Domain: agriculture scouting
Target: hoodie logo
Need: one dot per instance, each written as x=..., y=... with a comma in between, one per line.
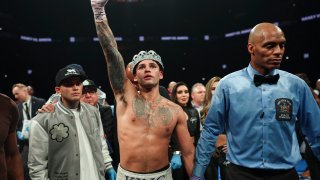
x=59, y=132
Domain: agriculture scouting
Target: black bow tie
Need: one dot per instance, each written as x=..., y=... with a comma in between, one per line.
x=258, y=80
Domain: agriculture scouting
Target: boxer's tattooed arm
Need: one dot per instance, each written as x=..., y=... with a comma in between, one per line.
x=115, y=63
x=105, y=35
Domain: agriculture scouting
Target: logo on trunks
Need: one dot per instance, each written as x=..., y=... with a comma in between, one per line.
x=156, y=178
x=283, y=109
x=59, y=132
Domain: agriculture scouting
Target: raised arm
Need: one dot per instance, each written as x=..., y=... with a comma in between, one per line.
x=115, y=64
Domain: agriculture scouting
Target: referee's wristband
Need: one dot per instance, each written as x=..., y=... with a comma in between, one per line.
x=177, y=152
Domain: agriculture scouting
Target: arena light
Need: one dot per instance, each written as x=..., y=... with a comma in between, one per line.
x=118, y=38
x=96, y=39
x=237, y=33
x=34, y=39
x=44, y=39
x=241, y=32
x=72, y=39
x=141, y=38
x=310, y=17
x=174, y=38
x=26, y=38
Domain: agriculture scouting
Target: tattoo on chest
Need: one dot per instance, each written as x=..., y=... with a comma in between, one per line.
x=153, y=113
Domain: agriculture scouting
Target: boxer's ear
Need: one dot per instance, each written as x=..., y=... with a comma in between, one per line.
x=161, y=75
x=57, y=89
x=135, y=79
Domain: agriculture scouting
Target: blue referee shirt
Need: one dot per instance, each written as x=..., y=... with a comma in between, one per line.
x=259, y=121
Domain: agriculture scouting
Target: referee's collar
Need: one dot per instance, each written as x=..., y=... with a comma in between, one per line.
x=251, y=71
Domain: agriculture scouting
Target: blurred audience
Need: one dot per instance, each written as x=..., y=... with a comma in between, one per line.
x=27, y=106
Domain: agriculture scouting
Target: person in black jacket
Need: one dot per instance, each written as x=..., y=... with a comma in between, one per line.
x=90, y=96
x=181, y=96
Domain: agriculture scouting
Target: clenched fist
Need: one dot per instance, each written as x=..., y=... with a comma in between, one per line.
x=98, y=9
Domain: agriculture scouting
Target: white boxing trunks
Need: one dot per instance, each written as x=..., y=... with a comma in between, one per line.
x=123, y=174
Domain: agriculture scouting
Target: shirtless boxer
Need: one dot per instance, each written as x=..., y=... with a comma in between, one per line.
x=146, y=120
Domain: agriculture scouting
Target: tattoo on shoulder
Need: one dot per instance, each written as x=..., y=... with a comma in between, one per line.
x=165, y=115
x=139, y=107
x=154, y=114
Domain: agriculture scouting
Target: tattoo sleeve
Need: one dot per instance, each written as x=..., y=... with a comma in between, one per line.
x=114, y=60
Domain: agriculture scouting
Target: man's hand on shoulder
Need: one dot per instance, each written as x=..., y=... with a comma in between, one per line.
x=48, y=108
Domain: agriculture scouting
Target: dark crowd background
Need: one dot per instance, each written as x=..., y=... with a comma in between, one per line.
x=196, y=39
